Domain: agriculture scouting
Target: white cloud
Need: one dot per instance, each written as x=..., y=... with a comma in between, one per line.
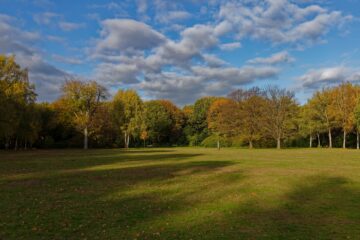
x=182, y=70
x=202, y=81
x=125, y=34
x=132, y=52
x=280, y=21
x=213, y=61
x=324, y=76
x=276, y=58
x=230, y=46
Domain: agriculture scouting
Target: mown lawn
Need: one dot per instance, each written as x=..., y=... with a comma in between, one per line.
x=180, y=193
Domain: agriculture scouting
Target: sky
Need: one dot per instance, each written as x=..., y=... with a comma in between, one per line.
x=184, y=49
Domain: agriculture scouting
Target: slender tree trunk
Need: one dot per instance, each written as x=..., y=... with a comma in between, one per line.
x=125, y=140
x=16, y=144
x=144, y=143
x=278, y=143
x=250, y=144
x=85, y=138
x=128, y=141
x=310, y=141
x=318, y=138
x=357, y=140
x=330, y=138
x=25, y=145
x=344, y=140
x=218, y=144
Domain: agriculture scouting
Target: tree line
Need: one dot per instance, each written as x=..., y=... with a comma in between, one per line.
x=86, y=115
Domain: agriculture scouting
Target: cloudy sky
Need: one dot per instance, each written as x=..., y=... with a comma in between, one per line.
x=184, y=49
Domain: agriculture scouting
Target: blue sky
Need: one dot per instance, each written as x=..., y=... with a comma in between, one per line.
x=182, y=50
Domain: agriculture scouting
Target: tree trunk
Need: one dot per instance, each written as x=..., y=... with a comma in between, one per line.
x=218, y=144
x=85, y=138
x=344, y=140
x=250, y=144
x=278, y=143
x=16, y=144
x=357, y=140
x=310, y=141
x=25, y=145
x=126, y=140
x=144, y=143
x=330, y=138
x=318, y=138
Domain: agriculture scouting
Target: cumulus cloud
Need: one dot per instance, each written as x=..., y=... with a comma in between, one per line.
x=276, y=58
x=280, y=21
x=181, y=70
x=185, y=68
x=333, y=75
x=117, y=74
x=202, y=81
x=213, y=61
x=119, y=35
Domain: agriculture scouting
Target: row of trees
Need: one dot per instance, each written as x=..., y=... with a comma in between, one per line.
x=86, y=115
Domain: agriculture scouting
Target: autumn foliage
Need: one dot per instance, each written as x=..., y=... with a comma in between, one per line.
x=86, y=115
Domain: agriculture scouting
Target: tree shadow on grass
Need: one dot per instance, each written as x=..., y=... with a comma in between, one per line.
x=95, y=203
x=319, y=208
x=51, y=163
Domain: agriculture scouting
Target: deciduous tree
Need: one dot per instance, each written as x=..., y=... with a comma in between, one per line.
x=127, y=113
x=82, y=99
x=281, y=110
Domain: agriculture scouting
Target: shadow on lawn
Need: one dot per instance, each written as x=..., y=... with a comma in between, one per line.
x=83, y=204
x=320, y=208
x=126, y=203
x=49, y=162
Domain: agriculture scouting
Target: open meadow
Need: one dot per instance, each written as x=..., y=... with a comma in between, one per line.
x=180, y=193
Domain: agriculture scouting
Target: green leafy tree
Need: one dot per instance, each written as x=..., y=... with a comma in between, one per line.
x=198, y=119
x=309, y=124
x=128, y=114
x=82, y=100
x=344, y=104
x=17, y=95
x=157, y=120
x=322, y=112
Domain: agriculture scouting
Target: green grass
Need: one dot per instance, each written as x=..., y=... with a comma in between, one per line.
x=180, y=193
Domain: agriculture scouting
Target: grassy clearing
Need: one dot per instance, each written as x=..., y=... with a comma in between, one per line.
x=180, y=193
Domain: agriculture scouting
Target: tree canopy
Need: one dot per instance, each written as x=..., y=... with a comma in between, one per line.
x=85, y=115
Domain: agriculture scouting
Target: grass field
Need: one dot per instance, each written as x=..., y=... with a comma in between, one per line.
x=180, y=193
